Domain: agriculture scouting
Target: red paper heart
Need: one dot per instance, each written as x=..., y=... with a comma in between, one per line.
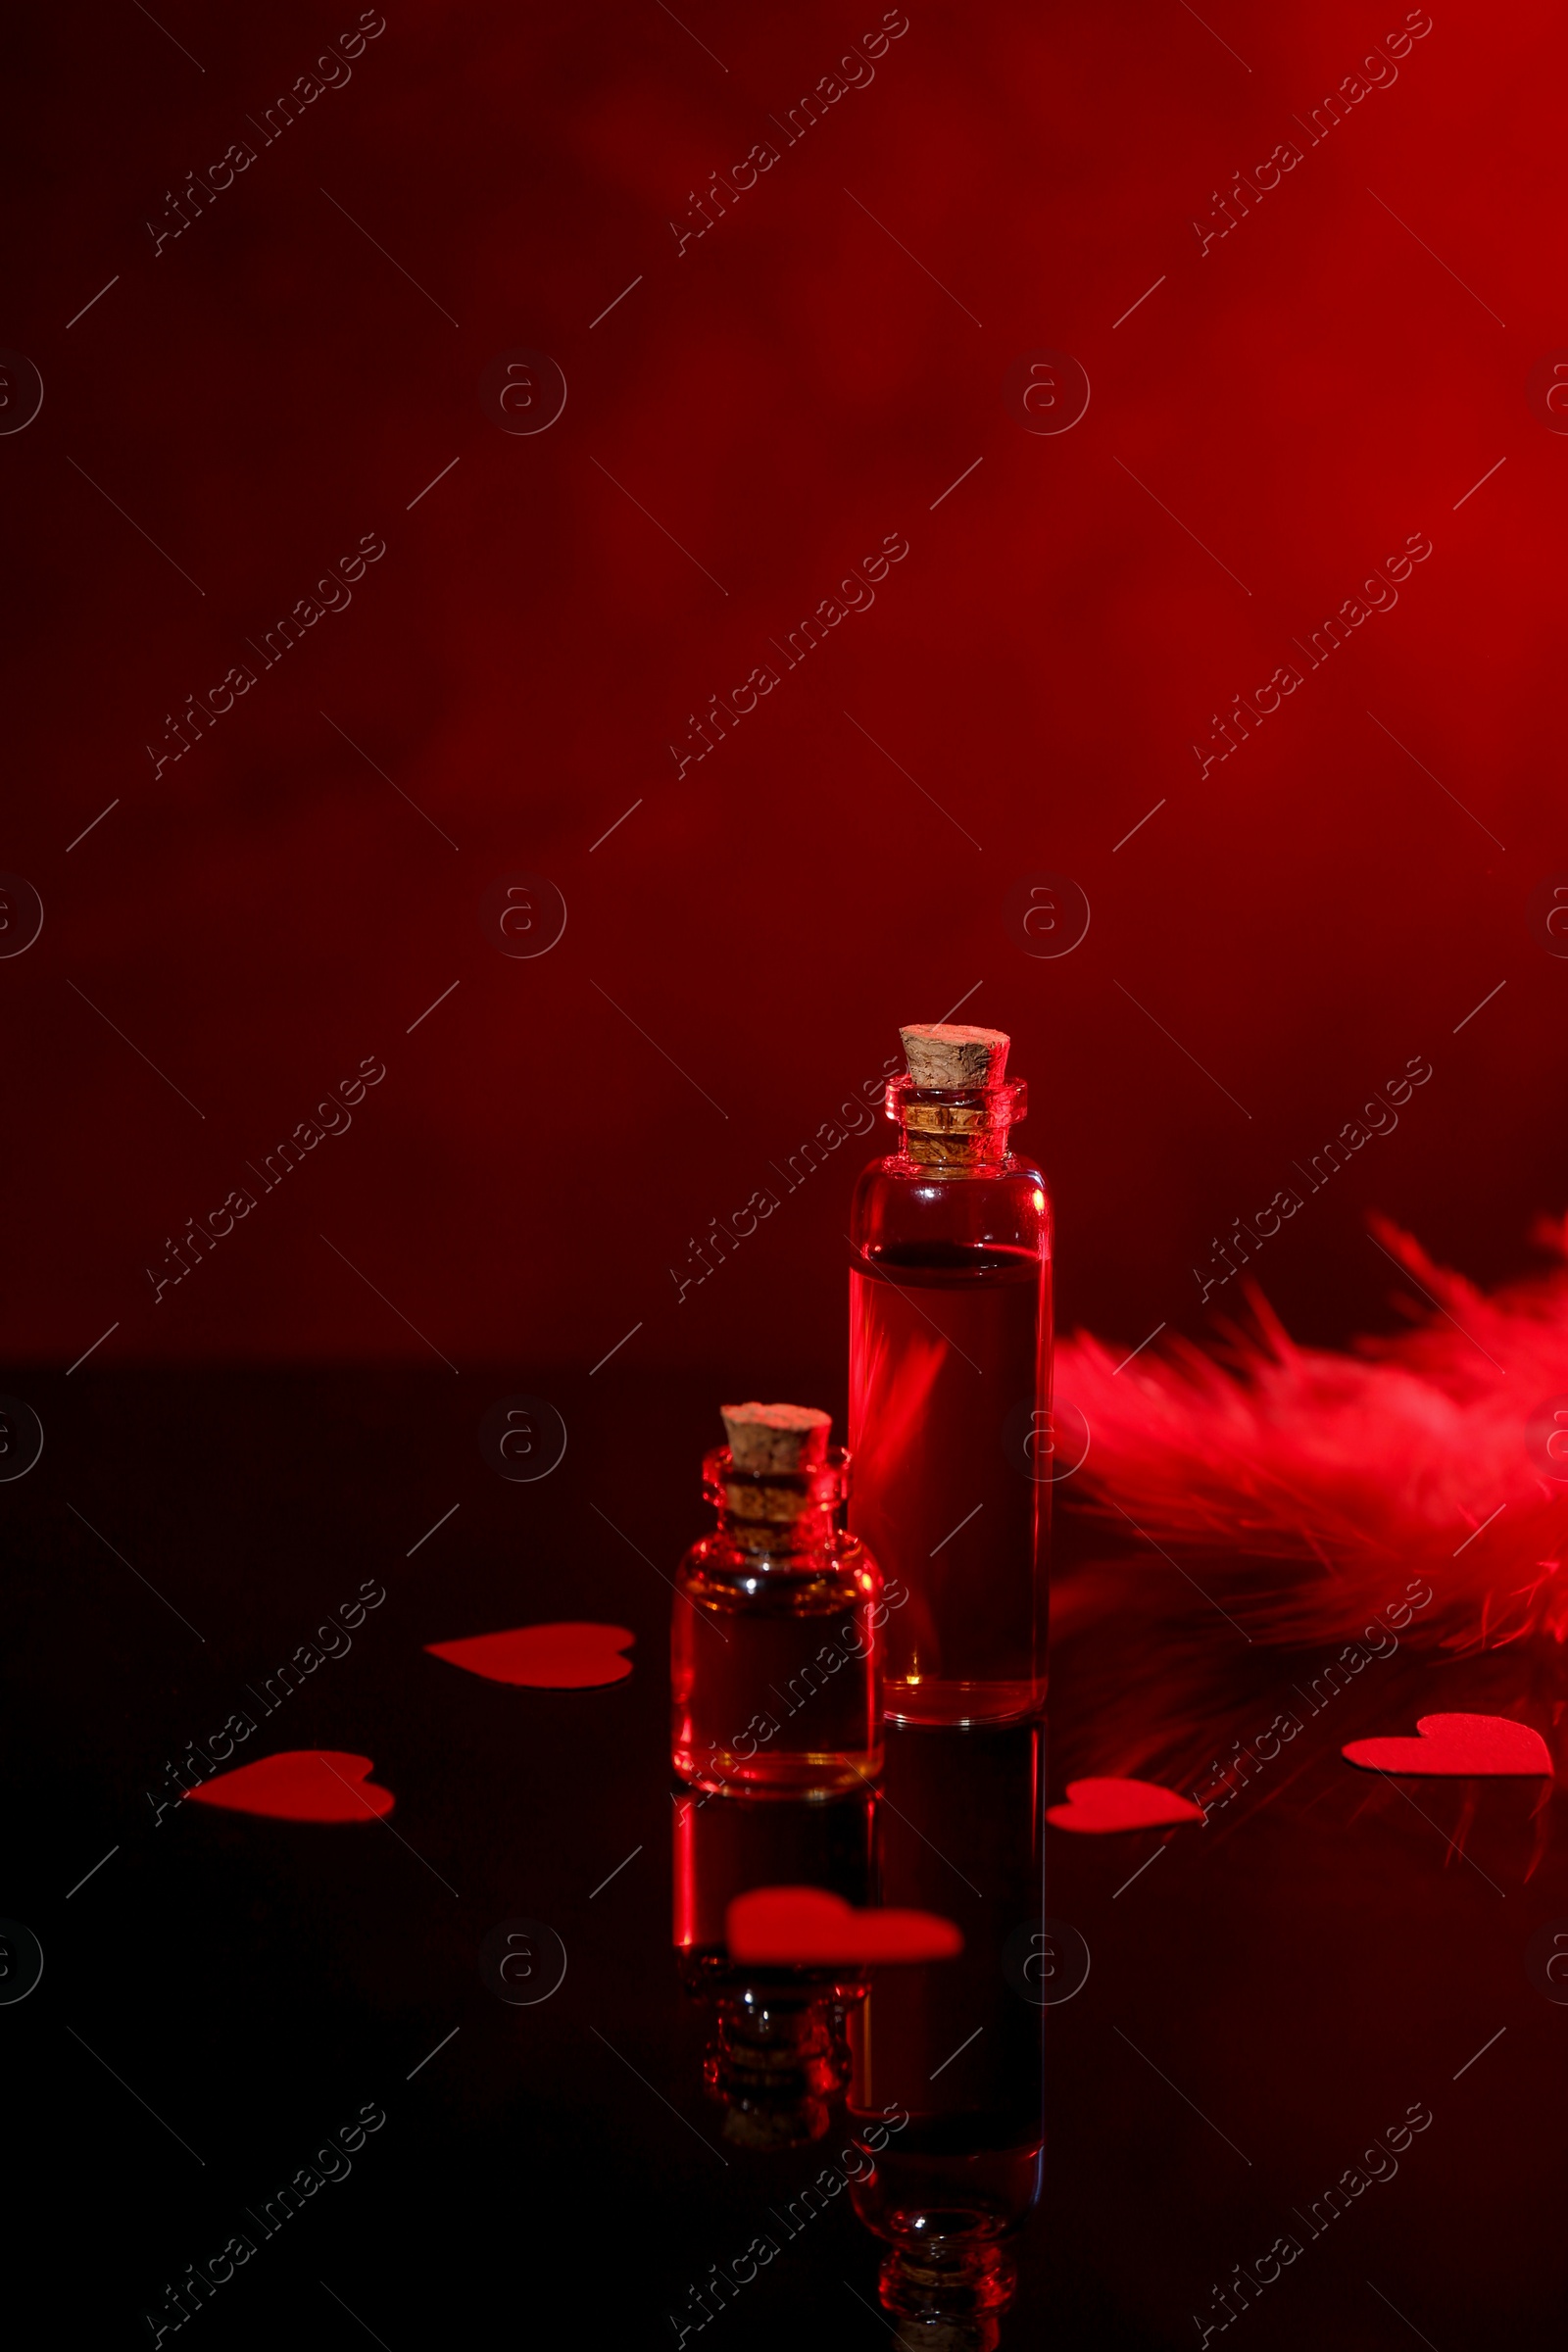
x=1106, y=1802
x=801, y=1925
x=568, y=1656
x=300, y=1783
x=1457, y=1743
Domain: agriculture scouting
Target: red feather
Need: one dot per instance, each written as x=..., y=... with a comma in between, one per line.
x=1411, y=1459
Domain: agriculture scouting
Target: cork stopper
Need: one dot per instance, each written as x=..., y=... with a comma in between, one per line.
x=776, y=1469
x=949, y=1060
x=775, y=1437
x=951, y=1057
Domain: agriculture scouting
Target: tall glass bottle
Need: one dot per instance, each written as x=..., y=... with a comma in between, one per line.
x=775, y=1650
x=950, y=1386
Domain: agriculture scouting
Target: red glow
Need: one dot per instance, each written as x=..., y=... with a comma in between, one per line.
x=1280, y=399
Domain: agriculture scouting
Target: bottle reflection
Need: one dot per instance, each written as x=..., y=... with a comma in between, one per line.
x=776, y=2059
x=950, y=2050
x=957, y=2044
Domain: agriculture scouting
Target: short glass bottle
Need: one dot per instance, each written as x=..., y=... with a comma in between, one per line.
x=776, y=1644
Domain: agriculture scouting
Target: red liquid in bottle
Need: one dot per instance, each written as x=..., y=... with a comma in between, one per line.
x=949, y=1383
x=775, y=1653
x=773, y=1685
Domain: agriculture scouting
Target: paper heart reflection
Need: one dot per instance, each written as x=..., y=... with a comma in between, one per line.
x=300, y=1783
x=1457, y=1743
x=572, y=1655
x=803, y=1926
x=1107, y=1802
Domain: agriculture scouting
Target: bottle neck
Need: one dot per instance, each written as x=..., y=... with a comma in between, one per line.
x=955, y=1132
x=806, y=1537
x=778, y=1514
x=777, y=2060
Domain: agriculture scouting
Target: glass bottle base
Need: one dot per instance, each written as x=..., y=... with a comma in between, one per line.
x=922, y=1699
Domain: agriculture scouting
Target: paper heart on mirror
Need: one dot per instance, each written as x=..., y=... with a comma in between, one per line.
x=300, y=1783
x=1493, y=1745
x=799, y=1927
x=1107, y=1802
x=572, y=1654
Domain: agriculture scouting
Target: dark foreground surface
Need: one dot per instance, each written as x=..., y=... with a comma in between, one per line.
x=222, y=1996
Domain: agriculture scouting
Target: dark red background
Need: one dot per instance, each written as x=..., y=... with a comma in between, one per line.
x=793, y=387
